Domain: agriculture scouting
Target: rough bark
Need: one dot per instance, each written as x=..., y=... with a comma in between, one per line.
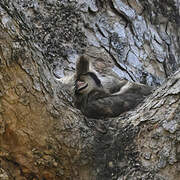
x=42, y=135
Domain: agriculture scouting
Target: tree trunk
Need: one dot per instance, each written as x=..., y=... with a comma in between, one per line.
x=42, y=135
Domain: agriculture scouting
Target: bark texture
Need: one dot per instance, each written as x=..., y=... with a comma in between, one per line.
x=42, y=135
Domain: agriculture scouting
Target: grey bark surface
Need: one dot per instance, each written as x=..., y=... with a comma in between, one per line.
x=42, y=135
